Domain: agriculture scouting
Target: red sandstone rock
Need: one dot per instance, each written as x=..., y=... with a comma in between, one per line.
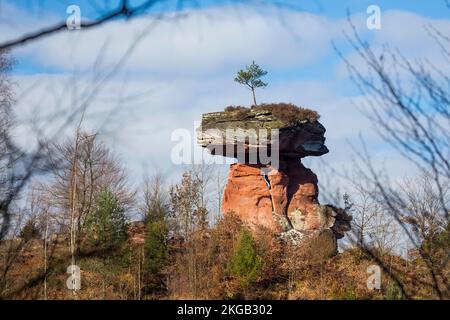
x=284, y=200
x=247, y=195
x=256, y=198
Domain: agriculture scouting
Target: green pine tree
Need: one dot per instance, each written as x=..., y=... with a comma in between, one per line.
x=245, y=263
x=251, y=78
x=156, y=253
x=30, y=231
x=155, y=246
x=107, y=226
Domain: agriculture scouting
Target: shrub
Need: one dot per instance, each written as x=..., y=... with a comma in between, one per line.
x=236, y=108
x=30, y=231
x=289, y=113
x=156, y=253
x=394, y=292
x=286, y=112
x=245, y=263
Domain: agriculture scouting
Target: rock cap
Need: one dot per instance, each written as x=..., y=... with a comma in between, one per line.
x=294, y=131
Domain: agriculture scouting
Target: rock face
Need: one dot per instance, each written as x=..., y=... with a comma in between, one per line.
x=282, y=198
x=254, y=128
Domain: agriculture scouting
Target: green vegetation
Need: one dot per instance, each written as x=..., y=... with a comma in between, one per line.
x=107, y=225
x=245, y=264
x=394, y=292
x=287, y=113
x=156, y=253
x=30, y=231
x=251, y=77
x=155, y=246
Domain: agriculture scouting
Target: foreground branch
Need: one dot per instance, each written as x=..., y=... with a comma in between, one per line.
x=124, y=10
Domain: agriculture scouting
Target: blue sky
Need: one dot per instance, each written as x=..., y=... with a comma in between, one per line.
x=183, y=68
x=332, y=8
x=436, y=9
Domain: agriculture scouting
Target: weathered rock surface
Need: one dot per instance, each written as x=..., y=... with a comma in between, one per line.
x=283, y=198
x=253, y=130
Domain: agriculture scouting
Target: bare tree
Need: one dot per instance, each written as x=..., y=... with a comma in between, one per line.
x=415, y=120
x=220, y=182
x=364, y=211
x=423, y=201
x=154, y=196
x=187, y=208
x=40, y=207
x=7, y=155
x=28, y=228
x=82, y=168
x=190, y=220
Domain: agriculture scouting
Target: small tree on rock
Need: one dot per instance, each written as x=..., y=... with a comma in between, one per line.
x=251, y=78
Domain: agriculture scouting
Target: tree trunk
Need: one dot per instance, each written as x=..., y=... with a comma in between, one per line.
x=254, y=96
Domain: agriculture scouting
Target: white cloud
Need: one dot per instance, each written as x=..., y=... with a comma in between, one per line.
x=185, y=68
x=140, y=132
x=202, y=42
x=401, y=32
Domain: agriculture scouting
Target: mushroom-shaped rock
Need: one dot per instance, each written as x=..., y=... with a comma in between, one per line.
x=283, y=198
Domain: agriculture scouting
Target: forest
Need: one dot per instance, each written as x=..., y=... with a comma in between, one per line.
x=75, y=225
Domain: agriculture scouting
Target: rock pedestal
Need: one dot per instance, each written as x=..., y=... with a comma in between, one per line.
x=282, y=198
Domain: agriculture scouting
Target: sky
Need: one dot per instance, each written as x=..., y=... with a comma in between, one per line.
x=181, y=66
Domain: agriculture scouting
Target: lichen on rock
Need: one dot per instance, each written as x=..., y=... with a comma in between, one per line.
x=299, y=133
